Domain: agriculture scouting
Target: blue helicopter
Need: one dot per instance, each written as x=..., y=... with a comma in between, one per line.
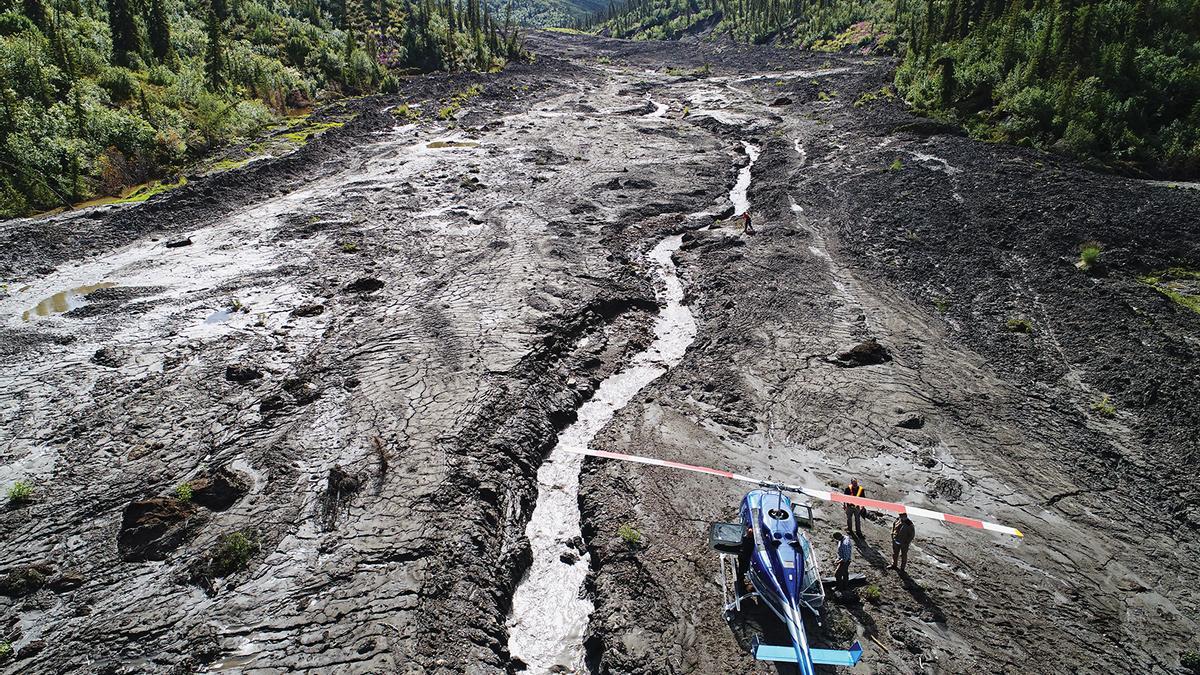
x=770, y=549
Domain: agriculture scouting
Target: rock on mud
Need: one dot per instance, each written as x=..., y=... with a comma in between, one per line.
x=306, y=311
x=179, y=243
x=109, y=357
x=152, y=528
x=911, y=421
x=219, y=490
x=866, y=353
x=241, y=374
x=25, y=580
x=365, y=285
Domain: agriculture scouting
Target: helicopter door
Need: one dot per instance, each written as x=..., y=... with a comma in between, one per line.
x=803, y=513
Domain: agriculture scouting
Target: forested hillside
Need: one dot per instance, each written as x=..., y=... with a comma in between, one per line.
x=1117, y=81
x=548, y=12
x=101, y=95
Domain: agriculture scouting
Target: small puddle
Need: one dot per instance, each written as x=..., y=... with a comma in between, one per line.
x=64, y=301
x=741, y=202
x=549, y=617
x=453, y=144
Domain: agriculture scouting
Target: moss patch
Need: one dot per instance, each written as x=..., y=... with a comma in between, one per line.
x=1179, y=284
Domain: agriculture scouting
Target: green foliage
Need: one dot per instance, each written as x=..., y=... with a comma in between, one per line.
x=942, y=305
x=1019, y=325
x=98, y=97
x=1089, y=255
x=1114, y=81
x=630, y=535
x=1191, y=661
x=6, y=650
x=1104, y=406
x=183, y=492
x=872, y=594
x=349, y=247
x=232, y=553
x=1179, y=284
x=896, y=165
x=20, y=492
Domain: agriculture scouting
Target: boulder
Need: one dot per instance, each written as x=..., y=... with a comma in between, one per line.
x=912, y=421
x=152, y=528
x=25, y=580
x=241, y=374
x=365, y=285
x=306, y=311
x=219, y=490
x=866, y=353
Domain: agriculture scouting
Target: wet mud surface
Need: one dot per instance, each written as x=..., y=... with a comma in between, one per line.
x=361, y=358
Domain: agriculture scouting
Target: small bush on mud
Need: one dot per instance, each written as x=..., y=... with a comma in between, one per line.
x=1191, y=661
x=183, y=492
x=1104, y=406
x=349, y=247
x=232, y=553
x=21, y=492
x=1020, y=325
x=6, y=651
x=942, y=305
x=896, y=165
x=631, y=536
x=1089, y=255
x=872, y=594
x=237, y=306
x=404, y=113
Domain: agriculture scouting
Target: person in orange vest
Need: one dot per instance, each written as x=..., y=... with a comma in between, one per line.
x=854, y=512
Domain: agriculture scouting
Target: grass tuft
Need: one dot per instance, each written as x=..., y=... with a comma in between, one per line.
x=1019, y=325
x=872, y=594
x=232, y=553
x=1089, y=255
x=20, y=492
x=1104, y=406
x=631, y=536
x=183, y=492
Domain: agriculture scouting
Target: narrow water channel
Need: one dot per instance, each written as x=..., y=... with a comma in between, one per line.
x=549, y=612
x=549, y=616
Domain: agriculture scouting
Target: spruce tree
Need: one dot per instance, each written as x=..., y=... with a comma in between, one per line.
x=159, y=28
x=214, y=57
x=125, y=41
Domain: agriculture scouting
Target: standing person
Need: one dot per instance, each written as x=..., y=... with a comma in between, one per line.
x=903, y=532
x=854, y=512
x=747, y=226
x=845, y=551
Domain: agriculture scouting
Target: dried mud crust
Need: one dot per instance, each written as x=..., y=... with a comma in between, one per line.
x=931, y=256
x=472, y=295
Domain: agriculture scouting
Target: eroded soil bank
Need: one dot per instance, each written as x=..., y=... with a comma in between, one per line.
x=364, y=350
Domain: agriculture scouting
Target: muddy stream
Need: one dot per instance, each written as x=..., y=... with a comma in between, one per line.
x=550, y=610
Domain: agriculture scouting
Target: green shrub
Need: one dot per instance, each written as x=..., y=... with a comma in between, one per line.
x=1191, y=661
x=349, y=247
x=942, y=305
x=1019, y=325
x=20, y=492
x=630, y=535
x=119, y=83
x=232, y=553
x=896, y=165
x=6, y=651
x=872, y=594
x=1104, y=406
x=1089, y=255
x=183, y=492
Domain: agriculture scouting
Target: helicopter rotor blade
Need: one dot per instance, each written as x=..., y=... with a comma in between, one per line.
x=824, y=495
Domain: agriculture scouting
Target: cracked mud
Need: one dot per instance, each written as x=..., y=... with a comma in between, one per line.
x=361, y=359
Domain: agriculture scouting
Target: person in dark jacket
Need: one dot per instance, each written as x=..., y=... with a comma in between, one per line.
x=903, y=532
x=854, y=512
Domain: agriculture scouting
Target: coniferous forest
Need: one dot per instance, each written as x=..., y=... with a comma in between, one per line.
x=98, y=95
x=1116, y=82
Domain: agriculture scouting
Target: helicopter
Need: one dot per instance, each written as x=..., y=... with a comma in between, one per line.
x=782, y=567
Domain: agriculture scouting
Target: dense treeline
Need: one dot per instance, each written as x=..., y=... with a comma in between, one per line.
x=97, y=95
x=1113, y=80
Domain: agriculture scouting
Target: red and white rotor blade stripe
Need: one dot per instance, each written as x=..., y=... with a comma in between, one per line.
x=910, y=510
x=671, y=465
x=894, y=507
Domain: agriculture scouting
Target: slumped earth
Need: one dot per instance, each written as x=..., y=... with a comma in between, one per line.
x=361, y=358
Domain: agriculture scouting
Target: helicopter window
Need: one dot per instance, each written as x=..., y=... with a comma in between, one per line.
x=778, y=514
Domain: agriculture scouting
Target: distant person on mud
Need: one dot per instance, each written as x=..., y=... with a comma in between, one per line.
x=903, y=532
x=845, y=551
x=854, y=512
x=747, y=226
